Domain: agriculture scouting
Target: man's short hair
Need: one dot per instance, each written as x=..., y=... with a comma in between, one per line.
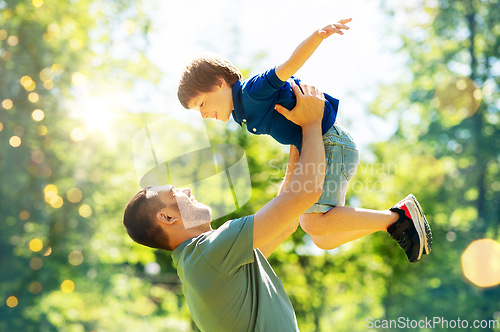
x=140, y=221
x=202, y=75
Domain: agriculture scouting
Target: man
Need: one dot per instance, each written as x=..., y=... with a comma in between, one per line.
x=227, y=280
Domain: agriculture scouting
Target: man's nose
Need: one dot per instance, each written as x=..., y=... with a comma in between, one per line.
x=187, y=191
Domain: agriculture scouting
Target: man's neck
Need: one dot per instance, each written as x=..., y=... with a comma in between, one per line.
x=189, y=234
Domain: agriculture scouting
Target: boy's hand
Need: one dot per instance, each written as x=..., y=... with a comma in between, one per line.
x=309, y=108
x=334, y=28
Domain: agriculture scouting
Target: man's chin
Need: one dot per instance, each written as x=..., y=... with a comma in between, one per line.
x=202, y=215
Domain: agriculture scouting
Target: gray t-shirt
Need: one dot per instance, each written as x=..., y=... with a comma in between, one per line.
x=230, y=287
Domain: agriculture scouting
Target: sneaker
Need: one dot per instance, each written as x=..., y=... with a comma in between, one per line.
x=409, y=229
x=428, y=232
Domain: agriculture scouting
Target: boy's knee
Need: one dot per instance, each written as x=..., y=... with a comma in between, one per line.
x=308, y=222
x=321, y=243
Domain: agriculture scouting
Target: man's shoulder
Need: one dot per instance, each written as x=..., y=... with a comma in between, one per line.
x=233, y=223
x=227, y=230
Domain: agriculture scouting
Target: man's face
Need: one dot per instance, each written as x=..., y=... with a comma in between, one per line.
x=217, y=104
x=180, y=203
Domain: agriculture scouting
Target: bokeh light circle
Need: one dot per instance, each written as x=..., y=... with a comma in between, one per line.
x=33, y=97
x=48, y=251
x=13, y=40
x=15, y=141
x=35, y=287
x=56, y=202
x=26, y=81
x=50, y=190
x=7, y=104
x=37, y=3
x=78, y=78
x=36, y=263
x=75, y=258
x=458, y=98
x=24, y=215
x=37, y=115
x=46, y=75
x=481, y=262
x=85, y=210
x=144, y=306
x=41, y=130
x=35, y=245
x=77, y=135
x=68, y=286
x=12, y=301
x=74, y=195
x=48, y=85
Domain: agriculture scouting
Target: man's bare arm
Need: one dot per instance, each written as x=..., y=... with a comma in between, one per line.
x=268, y=248
x=305, y=187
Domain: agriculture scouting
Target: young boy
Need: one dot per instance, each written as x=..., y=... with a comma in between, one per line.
x=212, y=86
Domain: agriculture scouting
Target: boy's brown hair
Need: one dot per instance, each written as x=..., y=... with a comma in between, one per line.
x=203, y=74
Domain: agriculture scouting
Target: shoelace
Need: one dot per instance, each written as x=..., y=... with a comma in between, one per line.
x=428, y=233
x=403, y=240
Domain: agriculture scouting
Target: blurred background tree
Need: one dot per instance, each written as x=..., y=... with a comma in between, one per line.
x=446, y=150
x=66, y=263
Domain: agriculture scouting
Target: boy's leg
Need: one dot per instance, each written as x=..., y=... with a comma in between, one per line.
x=405, y=222
x=334, y=240
x=344, y=224
x=346, y=219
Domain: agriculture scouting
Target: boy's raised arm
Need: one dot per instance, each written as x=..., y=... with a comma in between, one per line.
x=305, y=49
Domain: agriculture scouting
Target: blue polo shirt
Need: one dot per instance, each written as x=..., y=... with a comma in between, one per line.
x=254, y=101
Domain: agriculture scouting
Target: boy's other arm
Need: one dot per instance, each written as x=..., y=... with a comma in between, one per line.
x=268, y=248
x=305, y=187
x=305, y=49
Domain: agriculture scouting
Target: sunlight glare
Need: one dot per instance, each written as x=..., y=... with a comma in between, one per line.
x=98, y=114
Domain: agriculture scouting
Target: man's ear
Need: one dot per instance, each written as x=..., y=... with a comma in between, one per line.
x=164, y=217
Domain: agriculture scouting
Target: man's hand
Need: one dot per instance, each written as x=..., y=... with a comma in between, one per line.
x=334, y=28
x=309, y=108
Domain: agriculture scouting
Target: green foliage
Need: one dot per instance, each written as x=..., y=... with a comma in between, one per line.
x=84, y=276
x=445, y=152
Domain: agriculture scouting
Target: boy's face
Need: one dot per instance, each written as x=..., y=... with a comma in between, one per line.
x=217, y=104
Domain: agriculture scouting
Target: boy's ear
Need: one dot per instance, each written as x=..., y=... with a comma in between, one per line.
x=221, y=83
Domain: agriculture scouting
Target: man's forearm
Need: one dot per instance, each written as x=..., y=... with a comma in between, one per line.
x=311, y=164
x=293, y=158
x=268, y=248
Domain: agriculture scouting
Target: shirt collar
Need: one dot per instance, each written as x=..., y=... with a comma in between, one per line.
x=238, y=109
